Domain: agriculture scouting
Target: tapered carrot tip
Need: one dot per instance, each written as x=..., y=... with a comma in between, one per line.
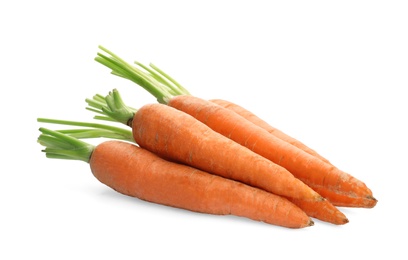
x=341, y=220
x=373, y=201
x=372, y=198
x=311, y=223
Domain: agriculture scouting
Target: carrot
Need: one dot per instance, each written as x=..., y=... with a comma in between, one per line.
x=311, y=170
x=272, y=130
x=136, y=172
x=322, y=210
x=175, y=135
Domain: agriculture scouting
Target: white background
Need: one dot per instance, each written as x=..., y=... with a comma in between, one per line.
x=333, y=74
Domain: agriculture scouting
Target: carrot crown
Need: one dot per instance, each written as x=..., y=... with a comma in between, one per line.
x=112, y=108
x=151, y=78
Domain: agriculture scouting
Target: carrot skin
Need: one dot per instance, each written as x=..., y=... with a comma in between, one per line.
x=136, y=172
x=311, y=170
x=175, y=135
x=272, y=130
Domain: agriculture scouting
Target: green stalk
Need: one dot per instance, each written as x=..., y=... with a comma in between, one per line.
x=94, y=130
x=113, y=108
x=156, y=83
x=95, y=105
x=157, y=76
x=62, y=146
x=172, y=86
x=96, y=133
x=177, y=87
x=130, y=72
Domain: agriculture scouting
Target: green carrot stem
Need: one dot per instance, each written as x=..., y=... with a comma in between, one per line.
x=63, y=146
x=97, y=101
x=140, y=77
x=112, y=108
x=94, y=131
x=52, y=142
x=176, y=86
x=155, y=75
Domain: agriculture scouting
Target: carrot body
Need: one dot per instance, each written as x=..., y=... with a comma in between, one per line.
x=261, y=123
x=137, y=172
x=178, y=136
x=311, y=170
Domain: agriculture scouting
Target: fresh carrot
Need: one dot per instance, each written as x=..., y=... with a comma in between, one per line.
x=342, y=188
x=136, y=172
x=322, y=210
x=178, y=136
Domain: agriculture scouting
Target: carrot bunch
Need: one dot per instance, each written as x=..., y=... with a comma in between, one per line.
x=209, y=156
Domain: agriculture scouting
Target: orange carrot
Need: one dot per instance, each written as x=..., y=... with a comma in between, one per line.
x=322, y=210
x=175, y=135
x=261, y=123
x=311, y=170
x=136, y=172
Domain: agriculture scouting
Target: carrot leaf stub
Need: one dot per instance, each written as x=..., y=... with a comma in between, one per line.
x=62, y=146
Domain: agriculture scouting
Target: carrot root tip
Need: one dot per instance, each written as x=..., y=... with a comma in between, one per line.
x=371, y=198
